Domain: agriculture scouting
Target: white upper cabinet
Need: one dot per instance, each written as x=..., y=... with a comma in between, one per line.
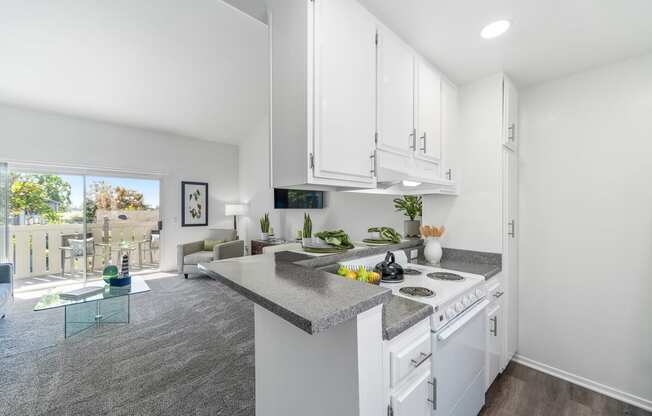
x=428, y=112
x=395, y=94
x=351, y=104
x=450, y=130
x=510, y=114
x=345, y=96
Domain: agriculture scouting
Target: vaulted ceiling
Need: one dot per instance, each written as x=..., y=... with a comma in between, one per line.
x=196, y=68
x=200, y=68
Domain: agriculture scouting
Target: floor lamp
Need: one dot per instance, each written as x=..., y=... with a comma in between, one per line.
x=235, y=210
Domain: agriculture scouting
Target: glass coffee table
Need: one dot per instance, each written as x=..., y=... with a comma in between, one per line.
x=110, y=306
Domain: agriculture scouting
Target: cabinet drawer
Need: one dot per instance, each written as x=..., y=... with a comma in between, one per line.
x=405, y=360
x=494, y=290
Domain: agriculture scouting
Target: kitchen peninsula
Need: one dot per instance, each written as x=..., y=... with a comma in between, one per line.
x=318, y=336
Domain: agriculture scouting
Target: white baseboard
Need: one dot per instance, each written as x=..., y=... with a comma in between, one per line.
x=585, y=382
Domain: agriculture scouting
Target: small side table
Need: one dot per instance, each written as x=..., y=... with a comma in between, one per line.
x=258, y=245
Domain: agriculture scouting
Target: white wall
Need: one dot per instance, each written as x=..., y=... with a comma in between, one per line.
x=473, y=219
x=32, y=136
x=353, y=213
x=586, y=226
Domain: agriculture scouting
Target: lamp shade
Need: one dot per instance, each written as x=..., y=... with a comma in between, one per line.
x=236, y=209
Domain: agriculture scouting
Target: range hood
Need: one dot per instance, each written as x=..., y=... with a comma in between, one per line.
x=398, y=175
x=410, y=187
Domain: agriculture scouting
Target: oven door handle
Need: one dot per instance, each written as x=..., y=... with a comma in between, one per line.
x=462, y=320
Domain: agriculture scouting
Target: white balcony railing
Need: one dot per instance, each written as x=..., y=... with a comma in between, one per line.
x=35, y=248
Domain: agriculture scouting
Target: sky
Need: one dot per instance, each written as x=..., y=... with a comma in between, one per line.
x=149, y=188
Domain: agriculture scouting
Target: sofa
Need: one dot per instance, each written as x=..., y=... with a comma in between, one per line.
x=6, y=287
x=189, y=255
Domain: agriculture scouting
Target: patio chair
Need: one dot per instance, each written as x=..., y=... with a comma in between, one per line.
x=6, y=286
x=72, y=248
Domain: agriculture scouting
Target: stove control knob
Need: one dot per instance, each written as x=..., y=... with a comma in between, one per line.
x=473, y=298
x=466, y=301
x=450, y=313
x=478, y=292
x=459, y=307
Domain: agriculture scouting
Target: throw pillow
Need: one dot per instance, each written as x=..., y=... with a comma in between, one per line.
x=209, y=245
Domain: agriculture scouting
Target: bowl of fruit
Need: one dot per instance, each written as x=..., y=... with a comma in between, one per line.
x=361, y=274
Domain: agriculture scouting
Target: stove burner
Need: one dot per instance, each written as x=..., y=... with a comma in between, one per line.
x=445, y=276
x=411, y=271
x=421, y=292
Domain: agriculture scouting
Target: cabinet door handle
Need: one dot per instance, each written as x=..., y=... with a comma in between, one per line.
x=511, y=132
x=373, y=163
x=498, y=294
x=512, y=229
x=424, y=358
x=413, y=138
x=449, y=174
x=433, y=383
x=494, y=331
x=424, y=142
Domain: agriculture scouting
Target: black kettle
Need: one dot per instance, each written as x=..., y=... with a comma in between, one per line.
x=389, y=270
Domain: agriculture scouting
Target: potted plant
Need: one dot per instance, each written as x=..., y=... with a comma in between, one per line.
x=306, y=233
x=411, y=206
x=264, y=227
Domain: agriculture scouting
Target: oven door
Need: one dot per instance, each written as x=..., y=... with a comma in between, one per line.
x=458, y=364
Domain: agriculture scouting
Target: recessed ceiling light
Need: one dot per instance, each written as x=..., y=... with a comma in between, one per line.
x=495, y=29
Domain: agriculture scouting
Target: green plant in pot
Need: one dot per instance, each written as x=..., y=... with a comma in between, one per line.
x=411, y=206
x=264, y=227
x=307, y=226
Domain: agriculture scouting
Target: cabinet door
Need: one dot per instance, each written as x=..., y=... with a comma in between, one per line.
x=449, y=130
x=494, y=342
x=414, y=399
x=510, y=257
x=395, y=94
x=428, y=104
x=510, y=114
x=344, y=90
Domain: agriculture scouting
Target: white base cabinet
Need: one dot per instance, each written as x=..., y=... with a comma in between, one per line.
x=495, y=327
x=412, y=398
x=407, y=378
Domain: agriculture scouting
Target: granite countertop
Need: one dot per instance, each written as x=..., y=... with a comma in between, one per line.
x=482, y=269
x=400, y=314
x=288, y=285
x=467, y=261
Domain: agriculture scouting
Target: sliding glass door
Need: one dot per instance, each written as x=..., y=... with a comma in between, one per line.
x=63, y=228
x=123, y=216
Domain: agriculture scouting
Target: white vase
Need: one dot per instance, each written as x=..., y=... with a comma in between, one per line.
x=432, y=251
x=264, y=236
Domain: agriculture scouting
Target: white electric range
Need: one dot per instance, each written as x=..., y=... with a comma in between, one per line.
x=458, y=328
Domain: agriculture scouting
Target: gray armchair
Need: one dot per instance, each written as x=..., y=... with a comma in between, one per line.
x=6, y=286
x=189, y=255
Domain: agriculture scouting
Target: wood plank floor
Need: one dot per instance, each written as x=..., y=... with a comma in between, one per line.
x=522, y=391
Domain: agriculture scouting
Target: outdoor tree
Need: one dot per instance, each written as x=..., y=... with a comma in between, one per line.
x=129, y=199
x=103, y=196
x=46, y=196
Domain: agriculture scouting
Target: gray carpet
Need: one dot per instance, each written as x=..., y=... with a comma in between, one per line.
x=188, y=350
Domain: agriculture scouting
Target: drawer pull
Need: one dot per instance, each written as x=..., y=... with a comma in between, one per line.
x=424, y=358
